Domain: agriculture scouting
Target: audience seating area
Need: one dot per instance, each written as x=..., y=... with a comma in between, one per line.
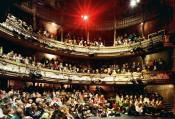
x=111, y=69
x=69, y=95
x=77, y=104
x=61, y=70
x=69, y=59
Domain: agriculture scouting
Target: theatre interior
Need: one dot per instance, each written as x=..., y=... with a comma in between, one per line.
x=87, y=59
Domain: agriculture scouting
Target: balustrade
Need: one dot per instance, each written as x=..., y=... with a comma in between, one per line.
x=57, y=45
x=19, y=69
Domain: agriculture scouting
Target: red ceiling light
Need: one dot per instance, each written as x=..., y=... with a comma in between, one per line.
x=85, y=17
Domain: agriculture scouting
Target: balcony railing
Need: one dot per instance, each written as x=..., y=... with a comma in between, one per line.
x=22, y=34
x=12, y=68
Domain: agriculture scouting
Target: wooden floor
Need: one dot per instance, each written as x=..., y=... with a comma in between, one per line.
x=131, y=117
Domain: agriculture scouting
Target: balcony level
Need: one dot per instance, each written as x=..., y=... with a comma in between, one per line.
x=30, y=73
x=153, y=43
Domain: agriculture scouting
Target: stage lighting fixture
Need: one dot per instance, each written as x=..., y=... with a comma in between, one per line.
x=137, y=1
x=85, y=17
x=133, y=3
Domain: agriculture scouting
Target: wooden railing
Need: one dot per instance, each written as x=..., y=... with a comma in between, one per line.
x=19, y=69
x=57, y=45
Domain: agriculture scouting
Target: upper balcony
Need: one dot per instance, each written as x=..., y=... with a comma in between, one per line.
x=57, y=46
x=12, y=31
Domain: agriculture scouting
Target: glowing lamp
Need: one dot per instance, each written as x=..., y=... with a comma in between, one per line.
x=52, y=27
x=133, y=3
x=84, y=17
x=50, y=56
x=137, y=1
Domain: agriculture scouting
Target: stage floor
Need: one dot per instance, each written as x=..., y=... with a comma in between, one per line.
x=131, y=117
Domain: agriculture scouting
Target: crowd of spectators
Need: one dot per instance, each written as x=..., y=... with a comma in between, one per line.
x=127, y=39
x=19, y=27
x=147, y=104
x=23, y=30
x=75, y=104
x=18, y=23
x=55, y=64
x=115, y=68
x=73, y=40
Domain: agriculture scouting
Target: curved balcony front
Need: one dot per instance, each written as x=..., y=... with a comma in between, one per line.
x=65, y=48
x=14, y=69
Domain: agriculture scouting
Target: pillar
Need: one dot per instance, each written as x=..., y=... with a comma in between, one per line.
x=174, y=100
x=173, y=79
x=34, y=17
x=62, y=34
x=143, y=29
x=115, y=33
x=172, y=4
x=172, y=28
x=3, y=84
x=87, y=35
x=114, y=37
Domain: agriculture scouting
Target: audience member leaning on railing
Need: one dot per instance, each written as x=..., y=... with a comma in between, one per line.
x=54, y=64
x=23, y=30
x=127, y=39
x=18, y=27
x=18, y=23
x=73, y=40
x=73, y=104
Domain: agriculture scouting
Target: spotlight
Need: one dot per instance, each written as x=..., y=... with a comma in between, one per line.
x=84, y=17
x=133, y=3
x=137, y=1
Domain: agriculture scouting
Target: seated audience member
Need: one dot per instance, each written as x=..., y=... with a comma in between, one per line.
x=18, y=114
x=139, y=108
x=110, y=69
x=2, y=116
x=75, y=104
